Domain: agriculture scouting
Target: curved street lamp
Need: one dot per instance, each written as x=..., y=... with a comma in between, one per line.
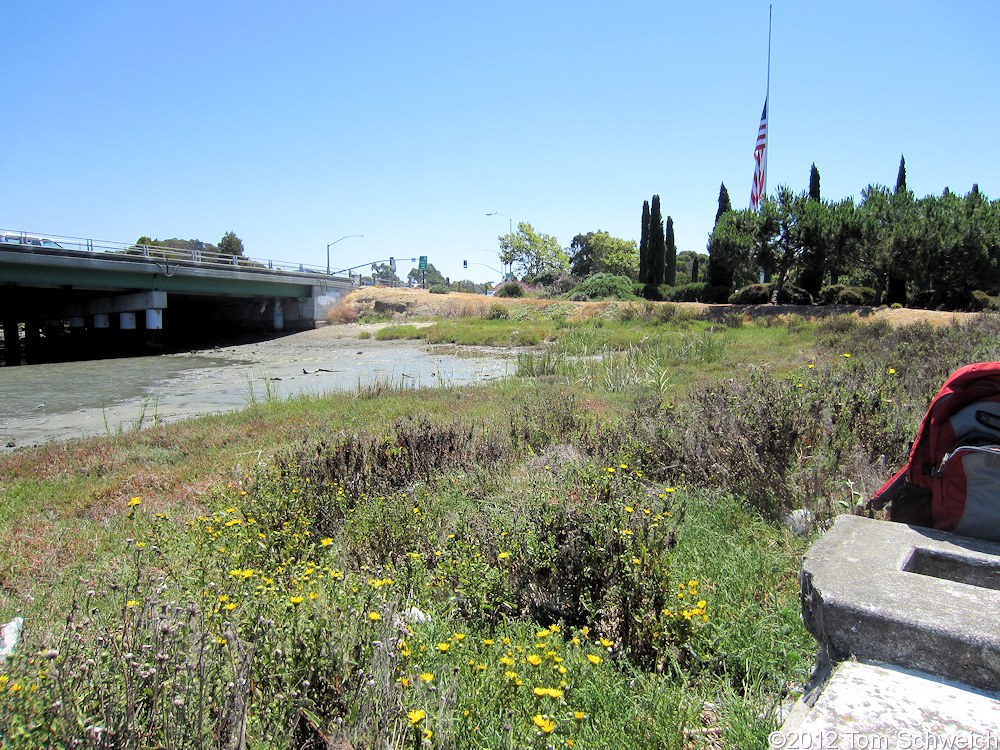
x=334, y=243
x=510, y=224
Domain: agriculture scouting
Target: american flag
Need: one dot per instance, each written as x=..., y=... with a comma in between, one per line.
x=760, y=162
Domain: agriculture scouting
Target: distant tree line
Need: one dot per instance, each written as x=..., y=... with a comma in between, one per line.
x=229, y=247
x=939, y=251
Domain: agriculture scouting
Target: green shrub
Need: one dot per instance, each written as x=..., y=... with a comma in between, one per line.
x=602, y=286
x=855, y=296
x=439, y=289
x=760, y=294
x=828, y=294
x=686, y=293
x=981, y=301
x=714, y=294
x=497, y=311
x=755, y=294
x=510, y=289
x=652, y=292
x=839, y=294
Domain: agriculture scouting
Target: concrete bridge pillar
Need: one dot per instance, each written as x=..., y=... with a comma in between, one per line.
x=32, y=342
x=12, y=343
x=278, y=319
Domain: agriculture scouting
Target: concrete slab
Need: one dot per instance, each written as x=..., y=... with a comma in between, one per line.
x=878, y=707
x=903, y=595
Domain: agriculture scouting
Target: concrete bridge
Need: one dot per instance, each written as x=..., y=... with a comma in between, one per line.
x=68, y=298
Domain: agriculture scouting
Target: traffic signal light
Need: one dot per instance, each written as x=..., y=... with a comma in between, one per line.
x=465, y=264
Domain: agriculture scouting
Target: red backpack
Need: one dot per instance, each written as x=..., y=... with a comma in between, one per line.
x=952, y=478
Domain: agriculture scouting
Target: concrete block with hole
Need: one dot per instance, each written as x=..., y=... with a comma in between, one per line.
x=908, y=624
x=917, y=598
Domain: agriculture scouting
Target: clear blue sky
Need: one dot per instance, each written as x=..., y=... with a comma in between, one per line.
x=296, y=123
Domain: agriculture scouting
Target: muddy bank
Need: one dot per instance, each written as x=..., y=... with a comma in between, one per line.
x=39, y=403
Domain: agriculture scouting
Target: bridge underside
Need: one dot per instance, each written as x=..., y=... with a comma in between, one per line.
x=56, y=309
x=46, y=325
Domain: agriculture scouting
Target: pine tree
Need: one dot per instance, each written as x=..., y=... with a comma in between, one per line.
x=901, y=176
x=814, y=183
x=724, y=203
x=644, y=245
x=670, y=267
x=657, y=244
x=231, y=245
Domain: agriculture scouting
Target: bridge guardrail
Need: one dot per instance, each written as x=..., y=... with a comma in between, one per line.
x=59, y=243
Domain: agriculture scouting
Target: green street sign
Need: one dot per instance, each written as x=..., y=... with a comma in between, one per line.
x=423, y=263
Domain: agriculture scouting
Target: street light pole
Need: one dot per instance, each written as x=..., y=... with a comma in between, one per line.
x=510, y=224
x=334, y=243
x=510, y=230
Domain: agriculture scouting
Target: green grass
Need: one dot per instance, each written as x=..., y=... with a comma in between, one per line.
x=627, y=487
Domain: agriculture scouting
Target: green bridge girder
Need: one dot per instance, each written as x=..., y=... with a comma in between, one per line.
x=105, y=272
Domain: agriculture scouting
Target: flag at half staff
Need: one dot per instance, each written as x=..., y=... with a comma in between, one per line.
x=760, y=163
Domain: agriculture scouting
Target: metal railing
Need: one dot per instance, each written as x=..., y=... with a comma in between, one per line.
x=60, y=244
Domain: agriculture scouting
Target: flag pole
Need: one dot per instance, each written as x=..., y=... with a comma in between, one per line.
x=767, y=91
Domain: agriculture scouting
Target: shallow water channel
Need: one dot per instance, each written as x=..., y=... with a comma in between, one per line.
x=58, y=401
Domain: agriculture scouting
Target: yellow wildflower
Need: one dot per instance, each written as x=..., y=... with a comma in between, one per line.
x=544, y=723
x=553, y=693
x=416, y=716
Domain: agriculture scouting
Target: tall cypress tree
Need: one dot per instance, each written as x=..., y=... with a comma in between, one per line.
x=724, y=203
x=814, y=183
x=657, y=244
x=670, y=268
x=895, y=292
x=813, y=251
x=644, y=245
